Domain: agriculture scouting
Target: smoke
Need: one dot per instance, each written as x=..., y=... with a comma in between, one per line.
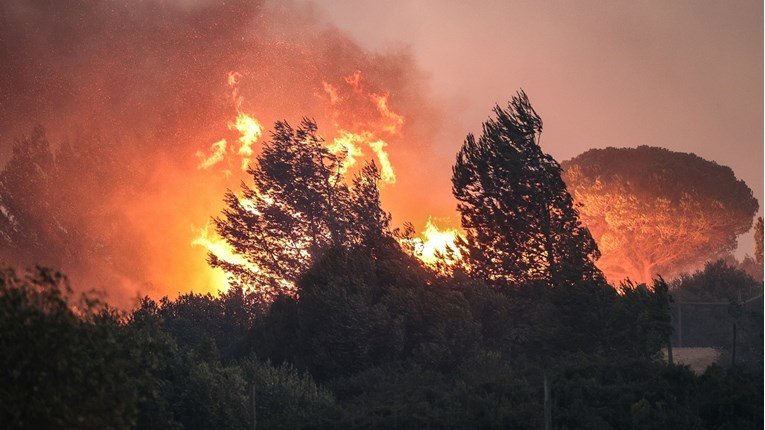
x=130, y=93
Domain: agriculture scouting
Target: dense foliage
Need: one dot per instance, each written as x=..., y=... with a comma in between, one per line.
x=371, y=343
x=298, y=204
x=655, y=211
x=366, y=336
x=519, y=218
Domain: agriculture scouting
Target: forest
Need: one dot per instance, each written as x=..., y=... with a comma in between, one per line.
x=331, y=320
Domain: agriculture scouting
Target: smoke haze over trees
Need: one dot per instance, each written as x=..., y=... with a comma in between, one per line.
x=658, y=212
x=370, y=336
x=125, y=126
x=145, y=84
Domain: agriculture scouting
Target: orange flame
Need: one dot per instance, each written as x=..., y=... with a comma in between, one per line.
x=250, y=130
x=435, y=246
x=218, y=153
x=347, y=143
x=364, y=141
x=396, y=121
x=206, y=238
x=386, y=169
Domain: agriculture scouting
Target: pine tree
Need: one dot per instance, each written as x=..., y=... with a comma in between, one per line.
x=298, y=206
x=520, y=220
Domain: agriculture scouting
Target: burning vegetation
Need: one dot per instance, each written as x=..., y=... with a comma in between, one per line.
x=223, y=171
x=151, y=111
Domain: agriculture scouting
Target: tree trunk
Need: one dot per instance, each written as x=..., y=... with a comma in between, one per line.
x=547, y=401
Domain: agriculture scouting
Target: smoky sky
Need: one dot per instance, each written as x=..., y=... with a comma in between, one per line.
x=685, y=75
x=145, y=83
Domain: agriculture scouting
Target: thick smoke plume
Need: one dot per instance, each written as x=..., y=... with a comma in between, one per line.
x=130, y=92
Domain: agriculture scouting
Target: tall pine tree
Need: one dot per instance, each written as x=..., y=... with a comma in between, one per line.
x=298, y=206
x=520, y=220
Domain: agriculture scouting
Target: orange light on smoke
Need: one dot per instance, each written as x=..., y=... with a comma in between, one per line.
x=250, y=131
x=365, y=142
x=206, y=238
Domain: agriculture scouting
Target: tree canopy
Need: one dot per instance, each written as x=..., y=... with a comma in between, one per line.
x=520, y=220
x=52, y=213
x=298, y=205
x=654, y=211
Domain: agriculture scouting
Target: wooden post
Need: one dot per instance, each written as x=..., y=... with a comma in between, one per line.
x=547, y=402
x=733, y=352
x=670, y=359
x=252, y=406
x=679, y=324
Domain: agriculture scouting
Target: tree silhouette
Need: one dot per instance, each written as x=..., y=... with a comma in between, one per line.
x=299, y=204
x=520, y=221
x=26, y=224
x=653, y=211
x=758, y=241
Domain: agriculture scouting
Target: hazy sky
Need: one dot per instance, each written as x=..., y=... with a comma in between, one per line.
x=685, y=75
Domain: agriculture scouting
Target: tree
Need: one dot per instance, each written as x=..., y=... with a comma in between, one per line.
x=653, y=211
x=57, y=210
x=707, y=320
x=65, y=363
x=758, y=238
x=520, y=220
x=299, y=205
x=26, y=228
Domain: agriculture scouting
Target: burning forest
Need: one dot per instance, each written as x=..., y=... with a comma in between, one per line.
x=154, y=110
x=238, y=215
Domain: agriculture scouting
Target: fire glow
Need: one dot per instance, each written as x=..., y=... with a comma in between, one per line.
x=433, y=246
x=437, y=245
x=250, y=130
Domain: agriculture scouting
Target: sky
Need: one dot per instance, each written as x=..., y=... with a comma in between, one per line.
x=684, y=75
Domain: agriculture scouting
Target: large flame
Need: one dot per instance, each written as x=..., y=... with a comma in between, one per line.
x=208, y=239
x=364, y=142
x=436, y=247
x=160, y=128
x=250, y=130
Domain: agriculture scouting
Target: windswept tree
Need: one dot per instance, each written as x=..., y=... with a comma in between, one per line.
x=654, y=211
x=298, y=205
x=520, y=220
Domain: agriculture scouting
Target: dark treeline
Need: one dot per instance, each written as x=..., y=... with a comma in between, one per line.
x=335, y=325
x=373, y=342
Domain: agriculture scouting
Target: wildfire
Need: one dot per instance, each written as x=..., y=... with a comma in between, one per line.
x=250, y=130
x=206, y=237
x=360, y=136
x=349, y=144
x=436, y=245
